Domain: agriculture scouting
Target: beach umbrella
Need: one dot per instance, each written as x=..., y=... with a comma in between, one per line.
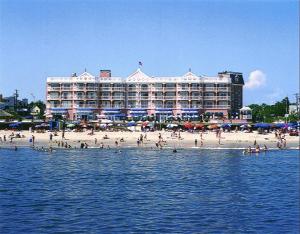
x=145, y=123
x=199, y=126
x=226, y=125
x=106, y=121
x=172, y=125
x=71, y=125
x=212, y=126
x=131, y=124
x=262, y=125
x=188, y=125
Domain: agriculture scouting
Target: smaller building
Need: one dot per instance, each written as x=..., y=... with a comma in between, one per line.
x=246, y=113
x=35, y=111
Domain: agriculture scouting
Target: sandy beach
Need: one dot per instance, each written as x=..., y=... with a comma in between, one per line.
x=186, y=140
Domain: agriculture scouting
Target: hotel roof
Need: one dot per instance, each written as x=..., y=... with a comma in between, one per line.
x=139, y=77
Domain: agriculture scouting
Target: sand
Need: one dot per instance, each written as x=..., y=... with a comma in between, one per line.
x=236, y=140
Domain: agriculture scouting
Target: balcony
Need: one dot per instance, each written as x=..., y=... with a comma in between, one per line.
x=67, y=97
x=91, y=97
x=144, y=98
x=132, y=89
x=78, y=97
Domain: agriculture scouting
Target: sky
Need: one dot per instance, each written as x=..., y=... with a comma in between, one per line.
x=41, y=38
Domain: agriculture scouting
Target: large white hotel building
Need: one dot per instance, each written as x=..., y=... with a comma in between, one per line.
x=88, y=97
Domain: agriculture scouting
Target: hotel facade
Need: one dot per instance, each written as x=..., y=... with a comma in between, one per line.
x=91, y=97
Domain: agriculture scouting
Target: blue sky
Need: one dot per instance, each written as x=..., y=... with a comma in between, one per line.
x=55, y=38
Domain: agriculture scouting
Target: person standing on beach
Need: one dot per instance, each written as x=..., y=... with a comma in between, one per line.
x=51, y=136
x=33, y=139
x=196, y=142
x=95, y=141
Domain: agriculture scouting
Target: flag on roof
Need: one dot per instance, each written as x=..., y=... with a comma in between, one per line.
x=140, y=63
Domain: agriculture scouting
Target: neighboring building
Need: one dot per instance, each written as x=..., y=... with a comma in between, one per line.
x=87, y=96
x=35, y=111
x=246, y=113
x=293, y=109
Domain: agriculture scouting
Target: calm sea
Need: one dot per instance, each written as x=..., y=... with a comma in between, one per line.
x=148, y=191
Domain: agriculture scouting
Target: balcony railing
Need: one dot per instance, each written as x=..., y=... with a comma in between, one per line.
x=209, y=97
x=105, y=97
x=118, y=97
x=223, y=89
x=170, y=89
x=91, y=97
x=223, y=97
x=118, y=89
x=79, y=97
x=170, y=98
x=217, y=106
x=53, y=97
x=210, y=89
x=105, y=89
x=53, y=88
x=183, y=98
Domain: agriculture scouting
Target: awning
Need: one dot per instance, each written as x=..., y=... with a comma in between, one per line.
x=189, y=112
x=111, y=111
x=138, y=111
x=163, y=112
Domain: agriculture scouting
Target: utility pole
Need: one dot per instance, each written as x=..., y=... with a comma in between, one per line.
x=297, y=102
x=16, y=100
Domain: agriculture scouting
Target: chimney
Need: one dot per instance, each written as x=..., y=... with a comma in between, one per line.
x=105, y=73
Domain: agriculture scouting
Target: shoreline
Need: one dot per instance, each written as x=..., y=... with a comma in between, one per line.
x=119, y=140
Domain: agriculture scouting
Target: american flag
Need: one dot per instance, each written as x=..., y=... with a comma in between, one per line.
x=140, y=63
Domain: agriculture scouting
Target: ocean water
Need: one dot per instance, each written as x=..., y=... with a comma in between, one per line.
x=148, y=191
